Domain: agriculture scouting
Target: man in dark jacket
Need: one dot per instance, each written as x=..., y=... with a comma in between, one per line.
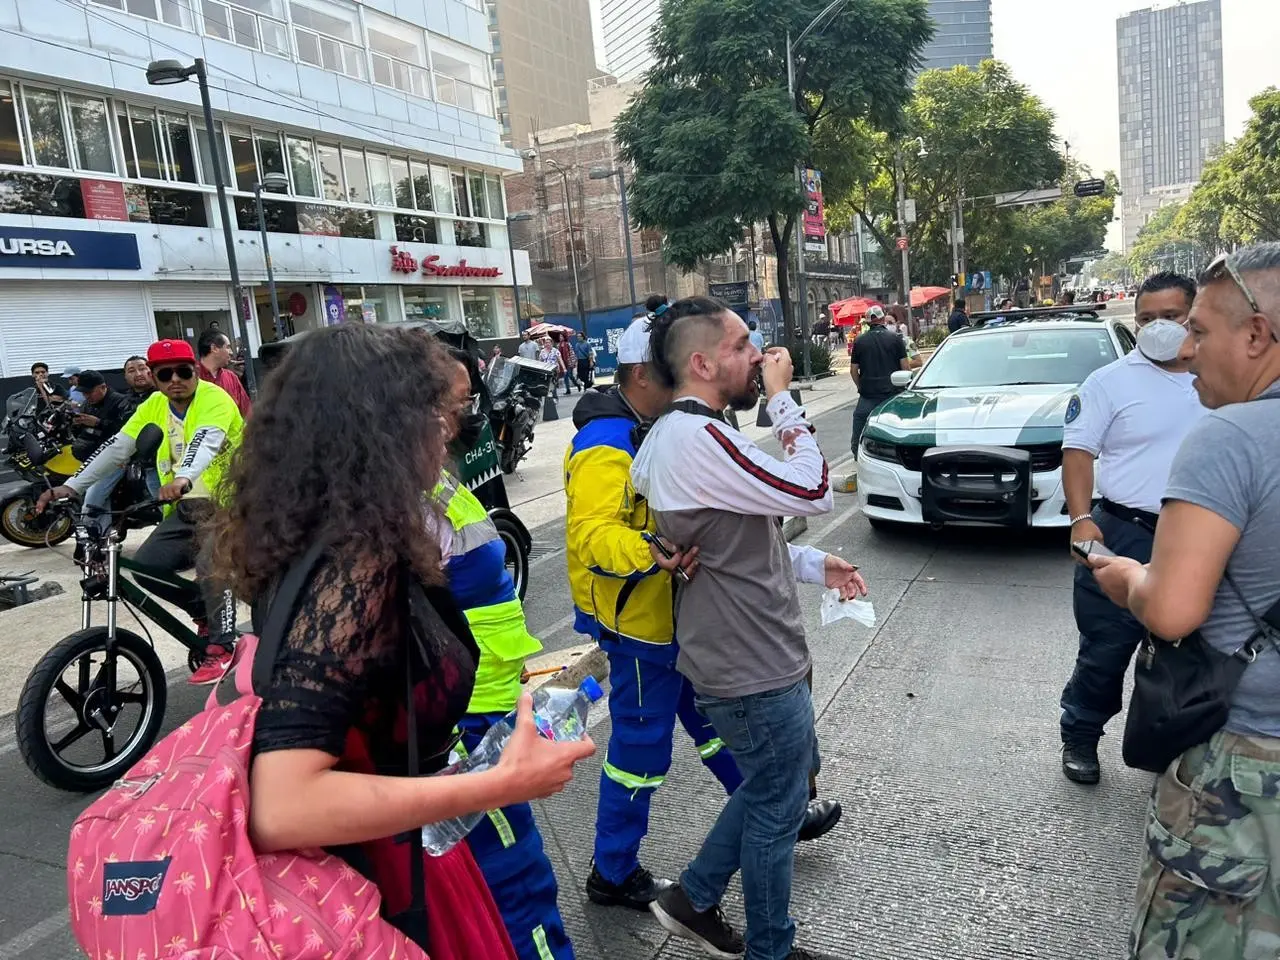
x=959, y=316
x=137, y=375
x=105, y=413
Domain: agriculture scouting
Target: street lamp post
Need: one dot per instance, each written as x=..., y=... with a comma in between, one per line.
x=269, y=181
x=802, y=295
x=604, y=173
x=573, y=244
x=165, y=73
x=511, y=248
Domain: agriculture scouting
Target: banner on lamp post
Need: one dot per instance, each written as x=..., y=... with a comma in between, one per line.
x=815, y=225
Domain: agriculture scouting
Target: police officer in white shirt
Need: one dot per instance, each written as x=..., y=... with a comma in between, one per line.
x=1131, y=416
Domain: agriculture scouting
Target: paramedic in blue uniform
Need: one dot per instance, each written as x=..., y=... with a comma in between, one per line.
x=1129, y=417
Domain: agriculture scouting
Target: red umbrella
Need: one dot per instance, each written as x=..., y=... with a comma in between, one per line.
x=849, y=313
x=538, y=329
x=922, y=295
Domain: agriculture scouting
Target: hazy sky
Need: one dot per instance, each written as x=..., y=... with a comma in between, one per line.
x=1065, y=52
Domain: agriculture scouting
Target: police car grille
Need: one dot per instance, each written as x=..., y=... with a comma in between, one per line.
x=1045, y=457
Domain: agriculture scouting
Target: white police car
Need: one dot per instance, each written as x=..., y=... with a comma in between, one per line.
x=976, y=435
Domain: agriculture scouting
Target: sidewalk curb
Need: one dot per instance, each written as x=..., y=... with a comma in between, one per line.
x=792, y=527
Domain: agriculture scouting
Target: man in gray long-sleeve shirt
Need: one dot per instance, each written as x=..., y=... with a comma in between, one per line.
x=738, y=621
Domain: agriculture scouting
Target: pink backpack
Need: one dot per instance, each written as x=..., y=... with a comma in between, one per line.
x=161, y=864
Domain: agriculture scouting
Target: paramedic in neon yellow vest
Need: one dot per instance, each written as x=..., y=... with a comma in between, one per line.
x=202, y=425
x=506, y=844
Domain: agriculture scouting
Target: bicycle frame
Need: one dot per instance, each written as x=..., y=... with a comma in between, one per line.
x=120, y=588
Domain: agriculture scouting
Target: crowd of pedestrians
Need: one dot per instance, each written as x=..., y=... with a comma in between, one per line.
x=406, y=640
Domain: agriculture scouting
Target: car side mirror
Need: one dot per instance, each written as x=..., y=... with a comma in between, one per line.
x=901, y=378
x=149, y=439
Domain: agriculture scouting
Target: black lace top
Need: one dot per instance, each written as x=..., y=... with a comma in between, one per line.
x=341, y=668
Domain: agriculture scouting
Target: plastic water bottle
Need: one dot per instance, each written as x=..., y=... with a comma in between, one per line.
x=558, y=714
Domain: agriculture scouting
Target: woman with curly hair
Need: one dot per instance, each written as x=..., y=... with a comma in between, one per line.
x=347, y=434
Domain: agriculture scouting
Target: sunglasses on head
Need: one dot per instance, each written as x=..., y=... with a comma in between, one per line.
x=1223, y=267
x=183, y=372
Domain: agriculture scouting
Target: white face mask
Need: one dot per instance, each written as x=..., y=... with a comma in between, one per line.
x=1160, y=340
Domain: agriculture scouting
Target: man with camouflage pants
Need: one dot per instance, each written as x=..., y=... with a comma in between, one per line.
x=1209, y=887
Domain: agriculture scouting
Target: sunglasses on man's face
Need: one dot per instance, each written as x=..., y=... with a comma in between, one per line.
x=184, y=372
x=1223, y=267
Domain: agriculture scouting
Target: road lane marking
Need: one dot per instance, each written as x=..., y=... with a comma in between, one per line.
x=28, y=938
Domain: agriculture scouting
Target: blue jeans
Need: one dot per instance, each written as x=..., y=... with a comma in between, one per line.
x=771, y=736
x=98, y=497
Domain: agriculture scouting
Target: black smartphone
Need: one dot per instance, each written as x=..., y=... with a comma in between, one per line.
x=666, y=552
x=1084, y=549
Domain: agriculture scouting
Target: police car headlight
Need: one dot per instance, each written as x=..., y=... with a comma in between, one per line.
x=879, y=450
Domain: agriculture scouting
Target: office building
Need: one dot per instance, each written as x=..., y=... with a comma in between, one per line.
x=627, y=28
x=374, y=135
x=962, y=34
x=543, y=59
x=1171, y=105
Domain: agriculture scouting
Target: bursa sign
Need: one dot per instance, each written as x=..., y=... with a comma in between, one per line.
x=68, y=249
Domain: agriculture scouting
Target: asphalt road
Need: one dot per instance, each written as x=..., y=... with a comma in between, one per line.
x=961, y=839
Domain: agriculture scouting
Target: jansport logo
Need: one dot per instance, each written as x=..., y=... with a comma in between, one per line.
x=23, y=247
x=132, y=888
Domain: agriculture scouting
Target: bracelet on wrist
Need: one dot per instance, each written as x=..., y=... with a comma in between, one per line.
x=1081, y=518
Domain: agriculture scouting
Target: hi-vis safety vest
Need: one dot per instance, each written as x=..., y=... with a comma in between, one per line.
x=483, y=589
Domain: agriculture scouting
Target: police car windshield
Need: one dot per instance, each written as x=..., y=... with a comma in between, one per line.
x=1017, y=357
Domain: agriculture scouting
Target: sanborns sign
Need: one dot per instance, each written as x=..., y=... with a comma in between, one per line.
x=68, y=249
x=402, y=261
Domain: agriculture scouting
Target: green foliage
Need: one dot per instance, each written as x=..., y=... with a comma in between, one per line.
x=819, y=358
x=1238, y=198
x=1113, y=268
x=1162, y=243
x=931, y=337
x=983, y=132
x=714, y=137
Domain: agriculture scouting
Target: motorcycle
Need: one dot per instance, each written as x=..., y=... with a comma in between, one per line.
x=517, y=387
x=38, y=444
x=37, y=440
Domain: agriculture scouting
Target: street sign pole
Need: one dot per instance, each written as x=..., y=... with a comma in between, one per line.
x=903, y=242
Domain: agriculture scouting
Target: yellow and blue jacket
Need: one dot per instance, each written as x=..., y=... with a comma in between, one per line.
x=620, y=596
x=483, y=590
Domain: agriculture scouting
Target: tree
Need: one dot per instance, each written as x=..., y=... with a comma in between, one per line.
x=1238, y=198
x=714, y=137
x=1162, y=243
x=965, y=131
x=1113, y=268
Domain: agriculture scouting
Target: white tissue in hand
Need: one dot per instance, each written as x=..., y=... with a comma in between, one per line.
x=833, y=609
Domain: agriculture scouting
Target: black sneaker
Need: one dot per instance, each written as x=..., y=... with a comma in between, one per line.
x=636, y=892
x=1080, y=762
x=821, y=816
x=708, y=929
x=799, y=953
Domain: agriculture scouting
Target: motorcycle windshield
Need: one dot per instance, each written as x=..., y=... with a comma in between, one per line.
x=19, y=401
x=500, y=375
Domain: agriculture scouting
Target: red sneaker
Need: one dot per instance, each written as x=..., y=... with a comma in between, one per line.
x=217, y=660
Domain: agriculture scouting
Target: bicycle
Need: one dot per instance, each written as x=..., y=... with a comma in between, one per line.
x=117, y=676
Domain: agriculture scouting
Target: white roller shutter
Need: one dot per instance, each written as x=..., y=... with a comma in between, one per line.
x=174, y=295
x=72, y=324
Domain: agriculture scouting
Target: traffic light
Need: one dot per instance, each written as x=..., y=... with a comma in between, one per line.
x=1091, y=188
x=957, y=280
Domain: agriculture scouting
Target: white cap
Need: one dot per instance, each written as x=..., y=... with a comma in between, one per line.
x=633, y=345
x=875, y=312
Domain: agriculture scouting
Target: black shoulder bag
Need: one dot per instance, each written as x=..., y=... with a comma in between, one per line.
x=1182, y=690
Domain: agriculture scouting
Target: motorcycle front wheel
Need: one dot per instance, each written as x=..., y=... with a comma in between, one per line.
x=88, y=713
x=20, y=524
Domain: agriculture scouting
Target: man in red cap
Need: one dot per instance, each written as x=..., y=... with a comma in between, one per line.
x=201, y=425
